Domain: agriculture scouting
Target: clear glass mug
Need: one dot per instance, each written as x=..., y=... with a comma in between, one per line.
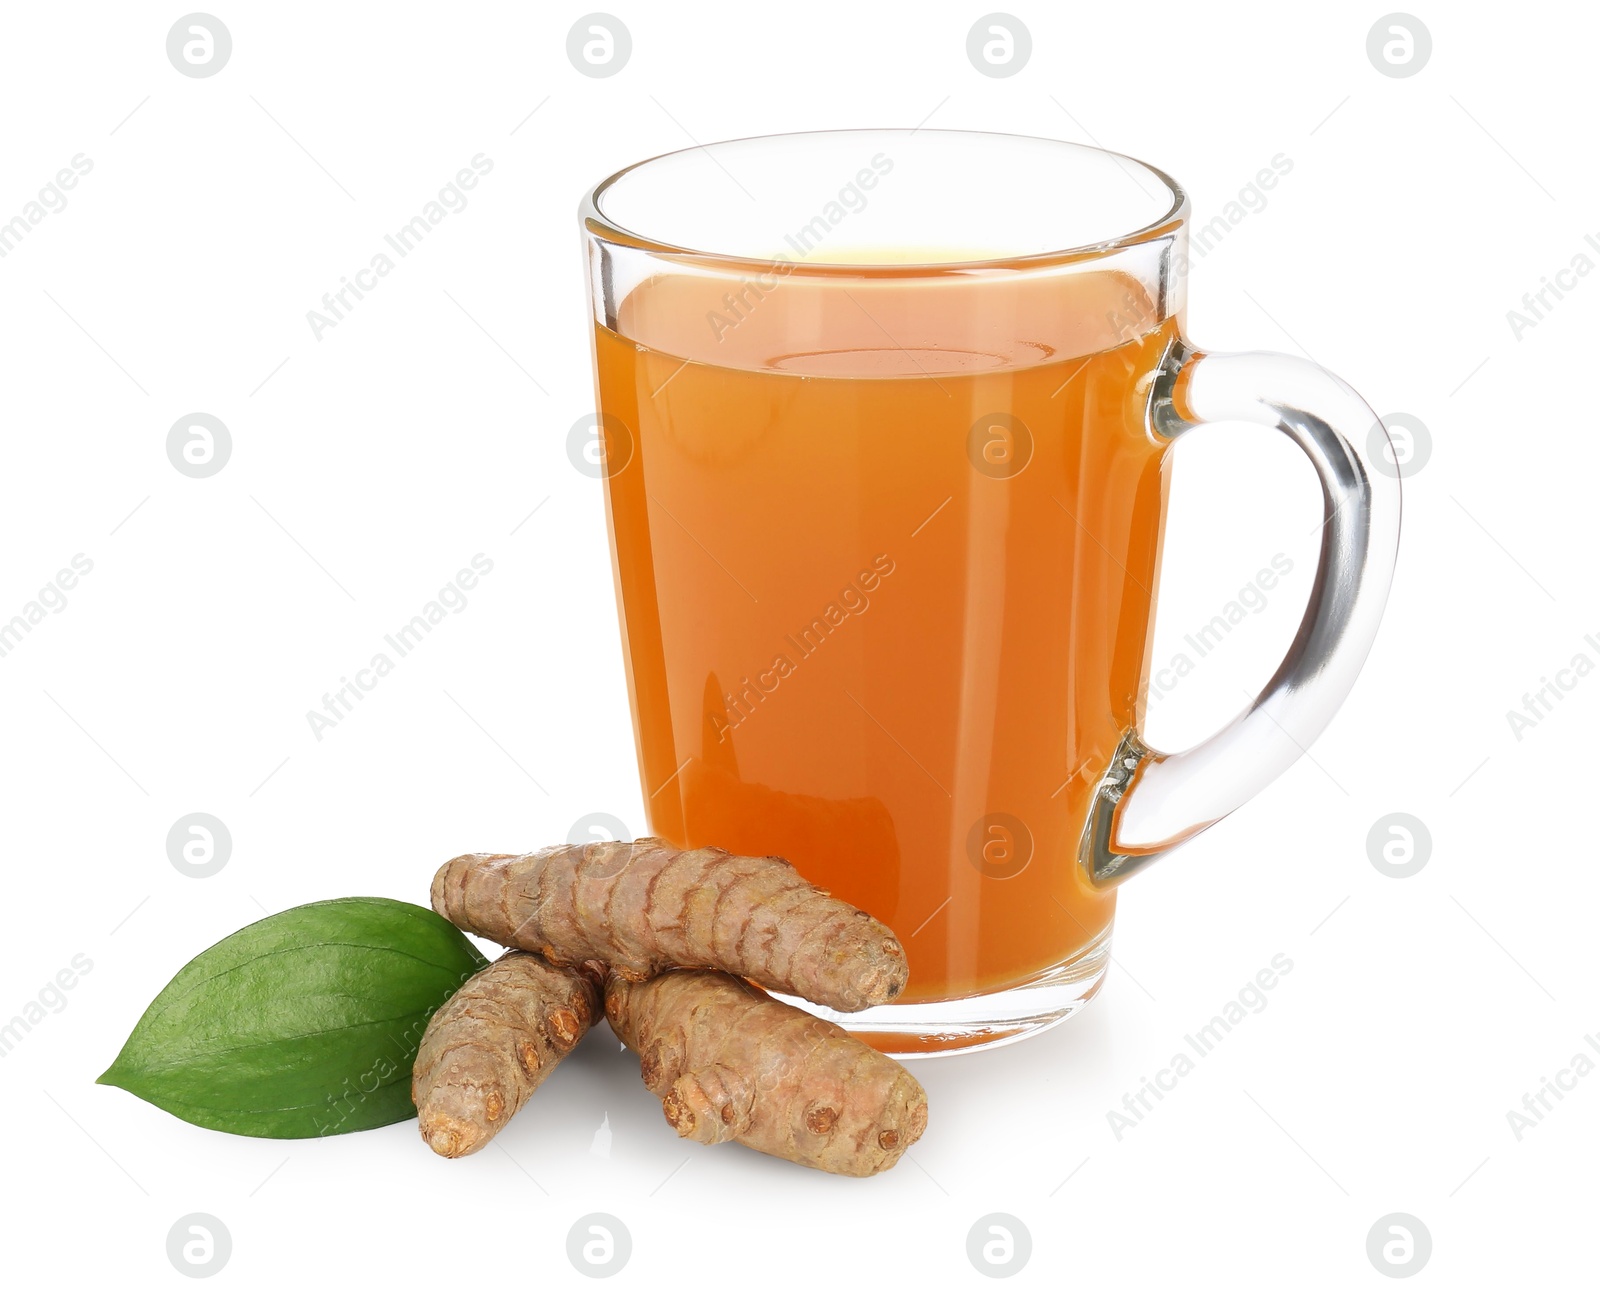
x=884, y=420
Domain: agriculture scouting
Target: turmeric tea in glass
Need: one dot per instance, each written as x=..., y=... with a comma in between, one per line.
x=885, y=418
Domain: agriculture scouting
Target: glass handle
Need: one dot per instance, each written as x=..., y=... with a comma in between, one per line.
x=1149, y=801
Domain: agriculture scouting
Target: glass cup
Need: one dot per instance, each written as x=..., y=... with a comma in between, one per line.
x=884, y=423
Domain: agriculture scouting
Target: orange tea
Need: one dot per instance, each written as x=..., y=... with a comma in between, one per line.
x=885, y=549
x=885, y=418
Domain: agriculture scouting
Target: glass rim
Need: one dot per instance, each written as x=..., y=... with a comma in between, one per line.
x=596, y=223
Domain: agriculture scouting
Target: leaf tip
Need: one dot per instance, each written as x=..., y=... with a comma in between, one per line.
x=121, y=1075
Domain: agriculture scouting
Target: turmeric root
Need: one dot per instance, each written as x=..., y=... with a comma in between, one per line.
x=645, y=907
x=489, y=1046
x=729, y=1063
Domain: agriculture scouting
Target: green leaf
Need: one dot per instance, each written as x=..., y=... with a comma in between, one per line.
x=305, y=1023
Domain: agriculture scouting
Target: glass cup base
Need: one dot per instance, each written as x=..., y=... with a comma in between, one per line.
x=980, y=1022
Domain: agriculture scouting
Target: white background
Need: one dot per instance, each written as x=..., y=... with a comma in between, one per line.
x=369, y=465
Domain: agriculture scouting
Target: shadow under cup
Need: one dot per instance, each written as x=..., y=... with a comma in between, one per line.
x=885, y=512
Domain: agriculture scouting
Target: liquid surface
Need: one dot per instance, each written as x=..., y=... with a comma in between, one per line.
x=885, y=553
